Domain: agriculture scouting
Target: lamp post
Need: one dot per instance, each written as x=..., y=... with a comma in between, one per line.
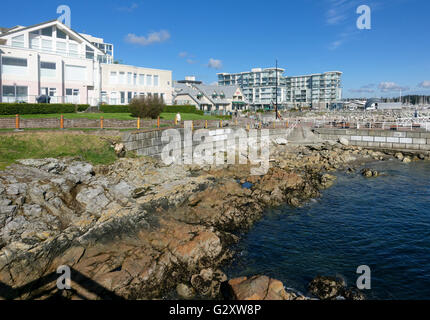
x=276, y=75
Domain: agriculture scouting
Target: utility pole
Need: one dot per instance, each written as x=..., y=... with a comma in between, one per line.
x=276, y=75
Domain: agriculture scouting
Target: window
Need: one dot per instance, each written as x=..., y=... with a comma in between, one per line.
x=129, y=77
x=113, y=98
x=104, y=97
x=16, y=66
x=122, y=93
x=89, y=53
x=72, y=92
x=129, y=96
x=48, y=65
x=122, y=78
x=61, y=34
x=15, y=93
x=155, y=81
x=10, y=61
x=72, y=95
x=113, y=79
x=76, y=73
x=149, y=80
x=135, y=79
x=48, y=69
x=142, y=79
x=18, y=41
x=8, y=91
x=48, y=91
x=47, y=32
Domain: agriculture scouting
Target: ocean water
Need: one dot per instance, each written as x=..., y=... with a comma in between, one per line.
x=382, y=222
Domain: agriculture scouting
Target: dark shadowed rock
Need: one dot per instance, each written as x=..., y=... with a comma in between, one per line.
x=327, y=288
x=331, y=288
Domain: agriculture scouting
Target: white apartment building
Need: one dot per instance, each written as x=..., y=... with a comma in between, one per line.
x=52, y=59
x=121, y=83
x=259, y=86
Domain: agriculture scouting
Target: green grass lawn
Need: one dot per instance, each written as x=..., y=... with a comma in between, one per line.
x=117, y=116
x=37, y=145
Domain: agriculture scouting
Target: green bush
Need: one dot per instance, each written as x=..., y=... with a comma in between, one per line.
x=146, y=107
x=83, y=107
x=182, y=109
x=39, y=108
x=114, y=109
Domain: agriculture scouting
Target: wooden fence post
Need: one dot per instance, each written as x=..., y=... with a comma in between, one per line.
x=62, y=122
x=101, y=123
x=17, y=122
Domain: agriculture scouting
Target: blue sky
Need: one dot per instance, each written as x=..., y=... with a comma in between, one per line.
x=201, y=38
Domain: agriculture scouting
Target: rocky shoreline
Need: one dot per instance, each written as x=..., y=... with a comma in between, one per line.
x=139, y=229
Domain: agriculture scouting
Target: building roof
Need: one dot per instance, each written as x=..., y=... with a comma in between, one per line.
x=208, y=91
x=48, y=23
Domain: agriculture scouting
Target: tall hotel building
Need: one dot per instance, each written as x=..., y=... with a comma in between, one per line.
x=52, y=59
x=318, y=91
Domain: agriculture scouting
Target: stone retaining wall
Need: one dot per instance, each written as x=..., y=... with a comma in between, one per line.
x=150, y=144
x=384, y=139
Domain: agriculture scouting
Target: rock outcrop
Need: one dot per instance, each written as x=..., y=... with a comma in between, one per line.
x=332, y=288
x=138, y=229
x=258, y=288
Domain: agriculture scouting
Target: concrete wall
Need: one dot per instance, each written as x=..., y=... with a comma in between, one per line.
x=384, y=139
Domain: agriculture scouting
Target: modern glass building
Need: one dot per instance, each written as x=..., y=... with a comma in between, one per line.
x=318, y=91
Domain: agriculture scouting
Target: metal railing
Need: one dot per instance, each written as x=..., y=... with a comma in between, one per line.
x=33, y=99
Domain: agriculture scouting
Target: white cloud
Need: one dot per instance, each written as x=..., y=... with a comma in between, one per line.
x=183, y=54
x=424, y=85
x=391, y=86
x=368, y=88
x=362, y=90
x=215, y=64
x=131, y=8
x=191, y=61
x=335, y=44
x=339, y=11
x=153, y=37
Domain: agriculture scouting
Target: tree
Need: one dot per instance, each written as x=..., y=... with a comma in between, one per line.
x=147, y=107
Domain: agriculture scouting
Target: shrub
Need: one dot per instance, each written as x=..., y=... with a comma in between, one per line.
x=40, y=108
x=182, y=109
x=146, y=107
x=114, y=109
